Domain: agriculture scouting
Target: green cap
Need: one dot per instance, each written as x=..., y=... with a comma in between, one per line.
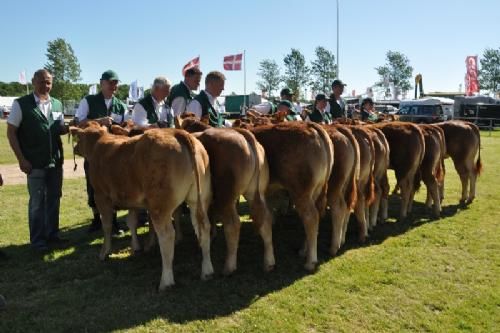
x=110, y=75
x=289, y=105
x=286, y=92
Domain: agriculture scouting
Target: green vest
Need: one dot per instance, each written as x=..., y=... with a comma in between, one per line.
x=215, y=119
x=179, y=90
x=148, y=105
x=335, y=109
x=98, y=109
x=318, y=117
x=39, y=137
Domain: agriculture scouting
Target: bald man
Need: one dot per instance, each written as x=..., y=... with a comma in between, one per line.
x=34, y=127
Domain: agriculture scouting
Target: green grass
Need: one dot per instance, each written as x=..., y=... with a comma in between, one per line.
x=424, y=275
x=8, y=157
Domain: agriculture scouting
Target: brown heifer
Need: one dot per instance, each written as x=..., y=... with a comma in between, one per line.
x=407, y=148
x=463, y=143
x=365, y=186
x=157, y=171
x=238, y=166
x=379, y=207
x=431, y=169
x=342, y=185
x=300, y=157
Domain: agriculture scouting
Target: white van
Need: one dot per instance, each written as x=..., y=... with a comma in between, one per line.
x=426, y=110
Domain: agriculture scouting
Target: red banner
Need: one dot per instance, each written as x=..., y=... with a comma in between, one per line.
x=233, y=62
x=193, y=63
x=471, y=82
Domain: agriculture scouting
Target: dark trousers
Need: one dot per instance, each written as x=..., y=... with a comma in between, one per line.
x=45, y=190
x=90, y=189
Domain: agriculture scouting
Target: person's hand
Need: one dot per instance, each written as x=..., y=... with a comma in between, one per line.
x=106, y=121
x=25, y=166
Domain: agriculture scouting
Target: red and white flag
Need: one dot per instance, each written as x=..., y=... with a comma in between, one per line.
x=471, y=82
x=191, y=64
x=22, y=77
x=233, y=62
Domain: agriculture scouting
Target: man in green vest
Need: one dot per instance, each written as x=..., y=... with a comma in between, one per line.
x=319, y=114
x=205, y=105
x=34, y=127
x=151, y=110
x=106, y=109
x=289, y=108
x=181, y=94
x=336, y=106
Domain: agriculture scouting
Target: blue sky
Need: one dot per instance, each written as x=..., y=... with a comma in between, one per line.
x=144, y=39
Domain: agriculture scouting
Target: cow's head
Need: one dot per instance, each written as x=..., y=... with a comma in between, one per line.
x=86, y=138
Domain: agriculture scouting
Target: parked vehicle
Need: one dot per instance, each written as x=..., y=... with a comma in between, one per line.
x=426, y=110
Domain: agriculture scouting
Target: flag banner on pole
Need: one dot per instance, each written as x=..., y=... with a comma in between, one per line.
x=191, y=64
x=22, y=77
x=140, y=92
x=471, y=82
x=133, y=93
x=93, y=89
x=233, y=62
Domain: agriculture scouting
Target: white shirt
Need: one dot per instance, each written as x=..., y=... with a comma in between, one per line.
x=195, y=107
x=83, y=110
x=179, y=103
x=16, y=115
x=140, y=115
x=263, y=108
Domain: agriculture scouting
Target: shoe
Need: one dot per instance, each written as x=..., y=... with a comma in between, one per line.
x=57, y=241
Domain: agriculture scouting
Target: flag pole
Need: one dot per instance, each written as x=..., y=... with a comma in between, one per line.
x=244, y=78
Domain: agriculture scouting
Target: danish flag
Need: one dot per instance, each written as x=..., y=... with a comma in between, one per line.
x=233, y=62
x=191, y=64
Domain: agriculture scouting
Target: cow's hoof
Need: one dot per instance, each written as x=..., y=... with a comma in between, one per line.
x=333, y=252
x=469, y=201
x=163, y=288
x=462, y=203
x=103, y=256
x=269, y=268
x=310, y=267
x=206, y=277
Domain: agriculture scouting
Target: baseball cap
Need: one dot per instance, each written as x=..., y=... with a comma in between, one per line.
x=286, y=92
x=321, y=97
x=338, y=83
x=110, y=75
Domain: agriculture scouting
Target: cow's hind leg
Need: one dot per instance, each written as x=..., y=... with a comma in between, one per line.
x=338, y=209
x=262, y=218
x=162, y=222
x=107, y=213
x=308, y=212
x=201, y=226
x=232, y=226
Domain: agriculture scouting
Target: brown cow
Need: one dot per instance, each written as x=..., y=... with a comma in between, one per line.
x=379, y=207
x=300, y=157
x=342, y=185
x=157, y=171
x=238, y=166
x=463, y=143
x=431, y=169
x=365, y=186
x=407, y=148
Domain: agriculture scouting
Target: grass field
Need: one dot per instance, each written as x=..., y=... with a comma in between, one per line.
x=419, y=276
x=8, y=157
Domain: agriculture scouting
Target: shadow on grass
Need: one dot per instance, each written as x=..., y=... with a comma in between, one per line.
x=70, y=288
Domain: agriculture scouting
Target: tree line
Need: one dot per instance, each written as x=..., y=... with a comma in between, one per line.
x=319, y=74
x=298, y=75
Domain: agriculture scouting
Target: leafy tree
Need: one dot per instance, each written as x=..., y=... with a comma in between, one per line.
x=122, y=92
x=64, y=67
x=12, y=89
x=489, y=74
x=296, y=72
x=269, y=72
x=396, y=70
x=323, y=69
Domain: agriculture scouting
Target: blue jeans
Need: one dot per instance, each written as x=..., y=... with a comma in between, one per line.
x=45, y=190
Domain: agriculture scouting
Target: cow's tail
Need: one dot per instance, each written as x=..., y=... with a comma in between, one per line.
x=252, y=141
x=188, y=140
x=352, y=189
x=479, y=165
x=328, y=146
